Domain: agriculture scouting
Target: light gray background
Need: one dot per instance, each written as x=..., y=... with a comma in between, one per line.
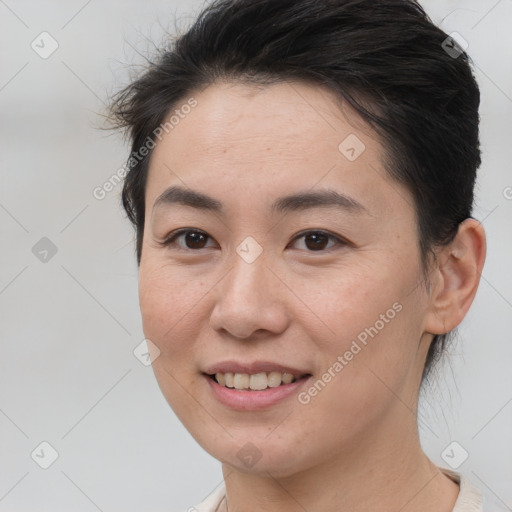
x=69, y=326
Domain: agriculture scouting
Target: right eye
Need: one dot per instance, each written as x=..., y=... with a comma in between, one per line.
x=192, y=239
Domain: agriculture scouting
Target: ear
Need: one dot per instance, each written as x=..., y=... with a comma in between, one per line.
x=456, y=278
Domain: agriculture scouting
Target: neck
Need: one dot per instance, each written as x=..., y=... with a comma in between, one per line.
x=374, y=474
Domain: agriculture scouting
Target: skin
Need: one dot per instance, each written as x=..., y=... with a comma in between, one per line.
x=355, y=445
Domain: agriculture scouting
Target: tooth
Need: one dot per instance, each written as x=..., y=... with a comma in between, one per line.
x=241, y=381
x=287, y=378
x=229, y=378
x=258, y=381
x=274, y=379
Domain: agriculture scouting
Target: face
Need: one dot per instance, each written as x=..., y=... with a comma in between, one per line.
x=302, y=258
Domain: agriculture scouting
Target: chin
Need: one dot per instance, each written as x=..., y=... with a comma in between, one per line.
x=258, y=457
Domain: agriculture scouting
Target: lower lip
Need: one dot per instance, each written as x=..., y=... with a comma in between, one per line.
x=254, y=400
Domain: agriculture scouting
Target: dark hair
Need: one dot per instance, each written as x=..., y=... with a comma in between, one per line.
x=406, y=79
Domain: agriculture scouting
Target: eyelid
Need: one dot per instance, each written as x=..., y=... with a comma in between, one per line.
x=171, y=237
x=341, y=241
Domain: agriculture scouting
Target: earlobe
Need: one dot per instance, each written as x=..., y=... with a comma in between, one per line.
x=458, y=270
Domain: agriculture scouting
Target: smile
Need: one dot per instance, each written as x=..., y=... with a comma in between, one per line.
x=256, y=381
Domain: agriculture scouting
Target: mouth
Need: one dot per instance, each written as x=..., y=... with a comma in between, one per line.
x=260, y=381
x=254, y=386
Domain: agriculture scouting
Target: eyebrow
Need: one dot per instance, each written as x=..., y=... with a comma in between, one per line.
x=295, y=202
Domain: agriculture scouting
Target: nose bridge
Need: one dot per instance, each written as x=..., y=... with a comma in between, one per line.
x=248, y=298
x=247, y=279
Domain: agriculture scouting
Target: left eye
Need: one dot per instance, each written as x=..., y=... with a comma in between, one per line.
x=318, y=240
x=193, y=239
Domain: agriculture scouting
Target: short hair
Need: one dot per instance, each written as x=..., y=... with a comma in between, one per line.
x=404, y=76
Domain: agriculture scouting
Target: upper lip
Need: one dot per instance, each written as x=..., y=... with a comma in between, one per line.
x=253, y=367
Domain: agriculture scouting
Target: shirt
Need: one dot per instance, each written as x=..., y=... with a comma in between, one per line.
x=470, y=499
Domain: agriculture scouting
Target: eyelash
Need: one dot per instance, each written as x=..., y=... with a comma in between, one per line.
x=171, y=238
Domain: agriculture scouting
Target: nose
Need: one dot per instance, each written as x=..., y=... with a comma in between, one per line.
x=249, y=299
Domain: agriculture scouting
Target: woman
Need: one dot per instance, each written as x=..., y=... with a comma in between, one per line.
x=301, y=184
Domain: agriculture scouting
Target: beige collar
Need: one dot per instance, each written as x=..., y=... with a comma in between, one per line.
x=469, y=499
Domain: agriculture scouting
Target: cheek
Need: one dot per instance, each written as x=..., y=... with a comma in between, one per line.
x=347, y=303
x=170, y=303
x=373, y=324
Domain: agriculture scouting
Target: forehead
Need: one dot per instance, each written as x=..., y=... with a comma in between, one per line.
x=267, y=140
x=290, y=119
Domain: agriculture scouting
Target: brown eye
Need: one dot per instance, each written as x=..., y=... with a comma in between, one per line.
x=195, y=240
x=318, y=240
x=192, y=239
